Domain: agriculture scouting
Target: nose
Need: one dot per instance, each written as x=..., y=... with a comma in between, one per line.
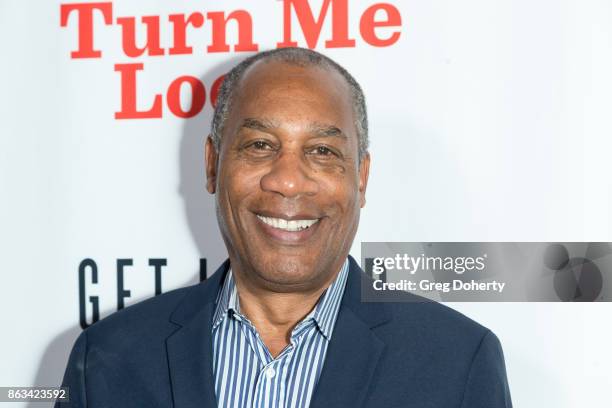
x=290, y=177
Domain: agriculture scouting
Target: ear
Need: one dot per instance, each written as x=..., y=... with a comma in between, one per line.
x=211, y=156
x=364, y=172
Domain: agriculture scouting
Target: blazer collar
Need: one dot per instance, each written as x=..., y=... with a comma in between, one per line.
x=372, y=314
x=199, y=297
x=352, y=355
x=355, y=350
x=189, y=349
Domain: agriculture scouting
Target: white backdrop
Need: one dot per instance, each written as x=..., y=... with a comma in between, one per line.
x=490, y=121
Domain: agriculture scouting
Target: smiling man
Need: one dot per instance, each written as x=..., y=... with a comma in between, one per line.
x=281, y=323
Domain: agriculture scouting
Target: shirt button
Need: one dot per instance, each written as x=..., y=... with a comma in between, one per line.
x=270, y=372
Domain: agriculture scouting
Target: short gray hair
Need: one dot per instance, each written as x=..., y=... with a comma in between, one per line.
x=294, y=56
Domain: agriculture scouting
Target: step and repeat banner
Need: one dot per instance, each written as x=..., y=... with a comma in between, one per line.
x=489, y=123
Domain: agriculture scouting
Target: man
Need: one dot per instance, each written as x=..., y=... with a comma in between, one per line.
x=281, y=323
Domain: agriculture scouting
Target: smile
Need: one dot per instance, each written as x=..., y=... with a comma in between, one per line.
x=287, y=225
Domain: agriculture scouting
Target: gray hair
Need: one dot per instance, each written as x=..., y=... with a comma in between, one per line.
x=294, y=56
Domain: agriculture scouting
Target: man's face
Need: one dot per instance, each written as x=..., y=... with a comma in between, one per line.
x=288, y=181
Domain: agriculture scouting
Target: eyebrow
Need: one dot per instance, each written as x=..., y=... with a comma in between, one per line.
x=327, y=130
x=263, y=125
x=318, y=129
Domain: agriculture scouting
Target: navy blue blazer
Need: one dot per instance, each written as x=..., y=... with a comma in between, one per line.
x=158, y=353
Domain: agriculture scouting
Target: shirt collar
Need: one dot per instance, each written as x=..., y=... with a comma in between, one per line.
x=324, y=314
x=326, y=310
x=226, y=300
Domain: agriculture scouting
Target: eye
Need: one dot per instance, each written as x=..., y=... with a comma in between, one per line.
x=258, y=149
x=260, y=145
x=323, y=151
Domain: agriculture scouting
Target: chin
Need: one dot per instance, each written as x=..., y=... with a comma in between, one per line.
x=288, y=272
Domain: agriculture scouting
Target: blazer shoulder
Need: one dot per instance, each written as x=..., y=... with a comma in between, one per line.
x=434, y=326
x=436, y=313
x=435, y=316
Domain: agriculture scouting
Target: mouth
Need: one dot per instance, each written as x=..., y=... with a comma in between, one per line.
x=289, y=231
x=288, y=225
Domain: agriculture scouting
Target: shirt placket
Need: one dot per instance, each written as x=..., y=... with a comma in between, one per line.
x=270, y=387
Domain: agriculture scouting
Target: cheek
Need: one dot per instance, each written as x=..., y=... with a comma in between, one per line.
x=343, y=194
x=238, y=182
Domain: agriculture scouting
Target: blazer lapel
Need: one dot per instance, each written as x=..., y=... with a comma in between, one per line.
x=190, y=353
x=354, y=350
x=352, y=356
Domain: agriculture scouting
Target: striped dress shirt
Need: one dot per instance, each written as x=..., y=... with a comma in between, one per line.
x=246, y=374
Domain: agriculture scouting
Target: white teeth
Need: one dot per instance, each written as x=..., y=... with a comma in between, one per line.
x=287, y=225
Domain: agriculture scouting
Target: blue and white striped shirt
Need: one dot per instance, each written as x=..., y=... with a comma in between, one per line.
x=246, y=375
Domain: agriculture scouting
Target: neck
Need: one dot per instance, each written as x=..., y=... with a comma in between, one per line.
x=275, y=314
x=279, y=312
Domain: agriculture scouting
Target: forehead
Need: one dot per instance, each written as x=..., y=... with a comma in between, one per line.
x=290, y=88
